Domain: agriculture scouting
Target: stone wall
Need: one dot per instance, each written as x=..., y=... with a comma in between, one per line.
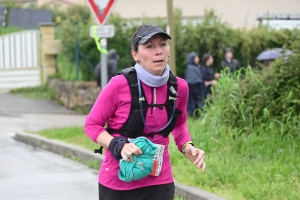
x=74, y=94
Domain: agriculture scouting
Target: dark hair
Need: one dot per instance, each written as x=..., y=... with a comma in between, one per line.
x=135, y=46
x=205, y=58
x=228, y=49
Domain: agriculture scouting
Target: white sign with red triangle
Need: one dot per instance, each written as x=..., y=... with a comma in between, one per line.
x=101, y=9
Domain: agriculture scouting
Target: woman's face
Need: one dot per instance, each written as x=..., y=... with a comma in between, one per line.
x=196, y=60
x=210, y=61
x=153, y=55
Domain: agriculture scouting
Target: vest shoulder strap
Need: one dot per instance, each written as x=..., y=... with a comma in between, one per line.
x=130, y=75
x=126, y=71
x=172, y=79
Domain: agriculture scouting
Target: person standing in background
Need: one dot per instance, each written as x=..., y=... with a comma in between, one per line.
x=208, y=74
x=112, y=67
x=112, y=63
x=194, y=79
x=229, y=62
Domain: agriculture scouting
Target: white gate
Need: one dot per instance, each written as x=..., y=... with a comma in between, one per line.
x=19, y=59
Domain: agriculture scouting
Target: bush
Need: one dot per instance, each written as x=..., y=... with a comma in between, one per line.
x=76, y=26
x=7, y=30
x=249, y=130
x=270, y=96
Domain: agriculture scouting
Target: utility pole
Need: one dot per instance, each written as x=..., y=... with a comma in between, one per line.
x=172, y=59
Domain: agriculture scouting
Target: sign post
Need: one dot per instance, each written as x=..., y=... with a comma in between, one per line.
x=101, y=10
x=104, y=73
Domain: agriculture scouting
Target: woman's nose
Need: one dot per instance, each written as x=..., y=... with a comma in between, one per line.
x=158, y=50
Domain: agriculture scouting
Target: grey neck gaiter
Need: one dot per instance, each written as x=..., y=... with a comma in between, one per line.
x=151, y=80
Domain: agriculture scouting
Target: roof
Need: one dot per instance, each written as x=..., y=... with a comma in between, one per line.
x=279, y=16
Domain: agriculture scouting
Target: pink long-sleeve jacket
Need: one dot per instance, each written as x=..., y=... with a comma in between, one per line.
x=113, y=106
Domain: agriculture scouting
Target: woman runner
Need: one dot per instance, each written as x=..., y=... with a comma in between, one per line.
x=146, y=100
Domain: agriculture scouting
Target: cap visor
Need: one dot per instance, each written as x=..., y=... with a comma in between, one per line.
x=144, y=39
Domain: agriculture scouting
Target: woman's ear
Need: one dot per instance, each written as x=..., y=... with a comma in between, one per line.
x=134, y=55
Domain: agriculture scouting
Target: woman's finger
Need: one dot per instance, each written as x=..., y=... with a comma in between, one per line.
x=200, y=163
x=203, y=166
x=126, y=153
x=135, y=149
x=128, y=150
x=199, y=157
x=200, y=154
x=128, y=156
x=199, y=160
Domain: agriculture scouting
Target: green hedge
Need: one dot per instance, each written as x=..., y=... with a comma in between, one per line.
x=262, y=97
x=7, y=30
x=212, y=35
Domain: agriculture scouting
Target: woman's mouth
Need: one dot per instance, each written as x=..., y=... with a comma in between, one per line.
x=158, y=61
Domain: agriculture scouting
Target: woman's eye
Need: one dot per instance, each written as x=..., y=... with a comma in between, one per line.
x=163, y=44
x=149, y=46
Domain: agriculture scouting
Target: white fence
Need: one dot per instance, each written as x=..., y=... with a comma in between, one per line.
x=19, y=59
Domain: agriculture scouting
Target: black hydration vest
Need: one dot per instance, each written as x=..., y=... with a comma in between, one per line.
x=134, y=125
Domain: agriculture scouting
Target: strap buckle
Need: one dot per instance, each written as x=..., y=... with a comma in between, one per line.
x=172, y=98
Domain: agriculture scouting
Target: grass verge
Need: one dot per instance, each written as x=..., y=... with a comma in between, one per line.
x=266, y=168
x=39, y=92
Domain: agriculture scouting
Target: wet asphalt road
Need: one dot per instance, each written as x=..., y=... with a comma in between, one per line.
x=32, y=174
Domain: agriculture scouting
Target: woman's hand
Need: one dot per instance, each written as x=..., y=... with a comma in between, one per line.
x=214, y=82
x=195, y=155
x=217, y=75
x=129, y=149
x=208, y=83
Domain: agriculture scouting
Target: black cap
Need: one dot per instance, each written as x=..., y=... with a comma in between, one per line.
x=228, y=49
x=142, y=36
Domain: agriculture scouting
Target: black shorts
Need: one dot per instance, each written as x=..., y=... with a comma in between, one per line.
x=156, y=192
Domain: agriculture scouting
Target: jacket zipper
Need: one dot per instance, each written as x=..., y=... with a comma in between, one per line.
x=153, y=100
